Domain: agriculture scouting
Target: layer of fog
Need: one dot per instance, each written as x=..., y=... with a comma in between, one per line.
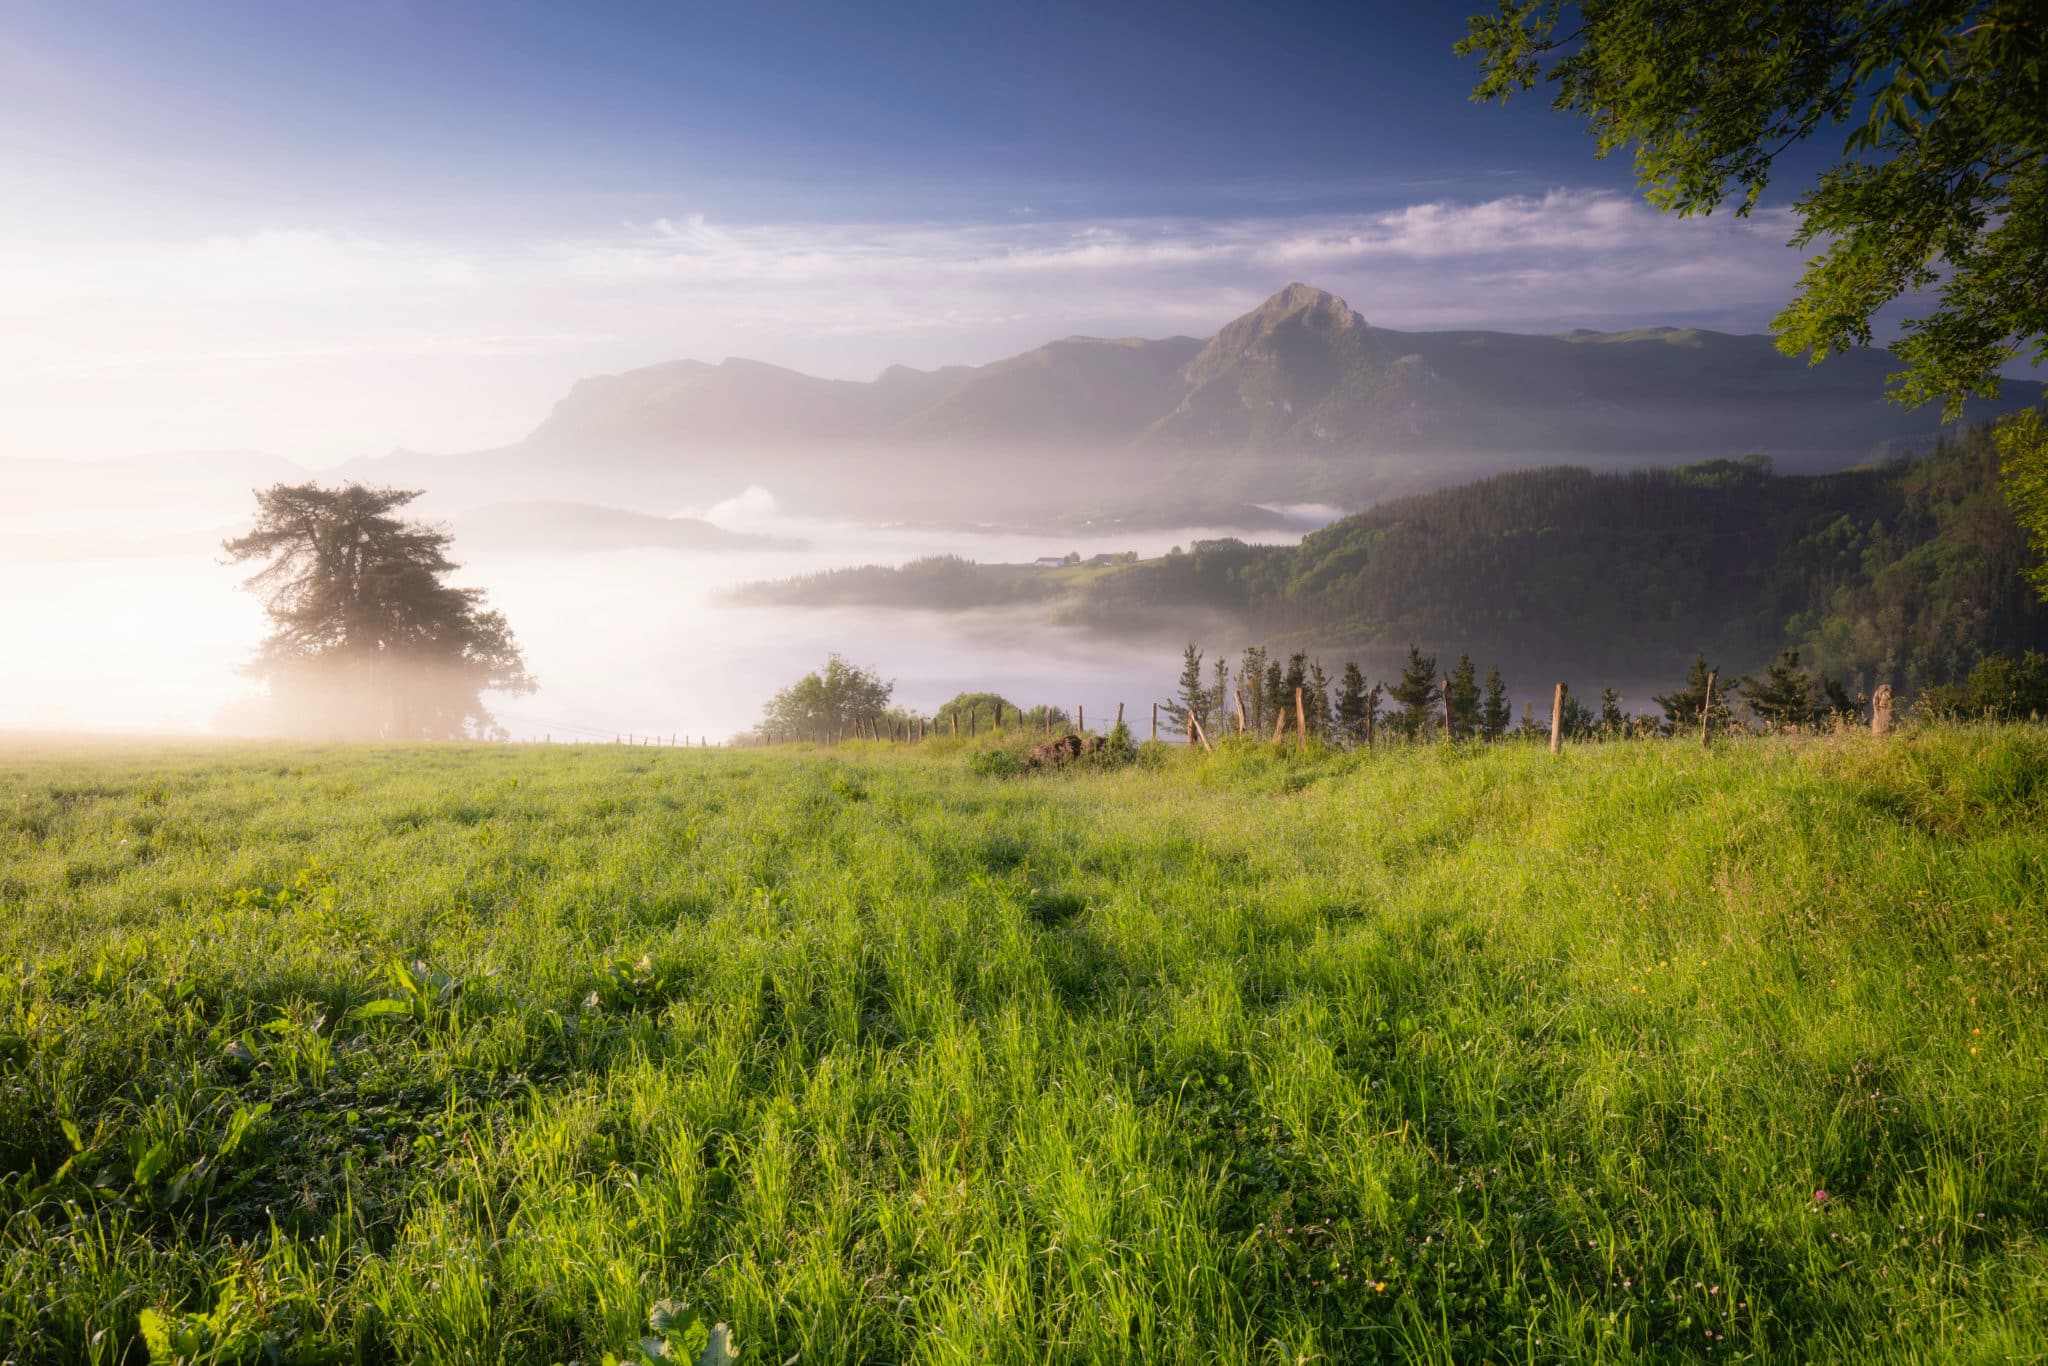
x=629, y=642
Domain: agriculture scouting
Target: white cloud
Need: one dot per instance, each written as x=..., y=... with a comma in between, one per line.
x=324, y=344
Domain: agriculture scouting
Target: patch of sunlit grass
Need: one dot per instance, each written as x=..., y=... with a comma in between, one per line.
x=521, y=1054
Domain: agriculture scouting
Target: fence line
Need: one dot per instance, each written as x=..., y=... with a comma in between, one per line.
x=909, y=728
x=1439, y=717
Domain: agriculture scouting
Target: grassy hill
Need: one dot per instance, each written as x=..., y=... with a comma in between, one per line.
x=479, y=1054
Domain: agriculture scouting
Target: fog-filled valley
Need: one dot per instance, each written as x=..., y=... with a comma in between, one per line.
x=627, y=539
x=138, y=625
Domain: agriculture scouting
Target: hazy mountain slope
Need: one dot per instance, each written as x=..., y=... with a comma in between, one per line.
x=1305, y=372
x=688, y=406
x=1301, y=370
x=1301, y=399
x=1083, y=391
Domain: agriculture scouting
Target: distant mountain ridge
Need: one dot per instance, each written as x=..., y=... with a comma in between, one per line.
x=1302, y=372
x=1302, y=399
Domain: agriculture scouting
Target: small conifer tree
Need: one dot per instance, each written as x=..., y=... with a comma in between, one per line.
x=1495, y=714
x=1464, y=699
x=1417, y=694
x=1784, y=696
x=1194, y=697
x=1613, y=721
x=1351, y=703
x=1682, y=708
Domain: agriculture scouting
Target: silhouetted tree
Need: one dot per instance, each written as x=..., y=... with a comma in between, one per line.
x=1351, y=704
x=1464, y=699
x=1495, y=715
x=367, y=640
x=1784, y=696
x=1578, y=720
x=1613, y=721
x=1682, y=708
x=1417, y=694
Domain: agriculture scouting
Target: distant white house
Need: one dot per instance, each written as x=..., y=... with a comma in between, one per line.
x=1049, y=562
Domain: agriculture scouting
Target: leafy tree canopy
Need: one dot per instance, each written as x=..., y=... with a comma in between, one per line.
x=367, y=640
x=981, y=710
x=1943, y=182
x=838, y=697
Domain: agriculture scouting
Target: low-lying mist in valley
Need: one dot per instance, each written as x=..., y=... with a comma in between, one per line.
x=125, y=623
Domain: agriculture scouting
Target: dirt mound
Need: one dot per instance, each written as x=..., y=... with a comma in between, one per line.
x=1064, y=750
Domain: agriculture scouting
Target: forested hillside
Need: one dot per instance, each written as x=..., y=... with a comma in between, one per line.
x=1906, y=572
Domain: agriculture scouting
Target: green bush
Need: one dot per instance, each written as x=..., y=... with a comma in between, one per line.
x=994, y=763
x=1117, y=749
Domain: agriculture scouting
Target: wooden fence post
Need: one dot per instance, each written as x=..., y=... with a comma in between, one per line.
x=1191, y=729
x=1881, y=711
x=1557, y=720
x=999, y=717
x=1119, y=714
x=1195, y=730
x=1279, y=722
x=1300, y=721
x=1448, y=733
x=1155, y=722
x=1238, y=695
x=1080, y=719
x=1707, y=711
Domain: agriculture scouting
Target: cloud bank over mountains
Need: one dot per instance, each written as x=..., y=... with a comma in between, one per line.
x=323, y=346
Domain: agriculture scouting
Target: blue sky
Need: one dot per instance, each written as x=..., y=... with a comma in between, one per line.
x=331, y=229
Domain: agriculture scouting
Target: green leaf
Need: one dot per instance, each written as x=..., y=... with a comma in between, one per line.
x=156, y=1335
x=246, y=1117
x=718, y=1349
x=150, y=1163
x=669, y=1315
x=382, y=1006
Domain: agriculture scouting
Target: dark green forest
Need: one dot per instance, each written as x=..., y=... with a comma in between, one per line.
x=939, y=583
x=1906, y=572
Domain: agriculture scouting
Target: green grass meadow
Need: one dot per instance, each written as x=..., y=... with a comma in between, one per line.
x=482, y=1054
